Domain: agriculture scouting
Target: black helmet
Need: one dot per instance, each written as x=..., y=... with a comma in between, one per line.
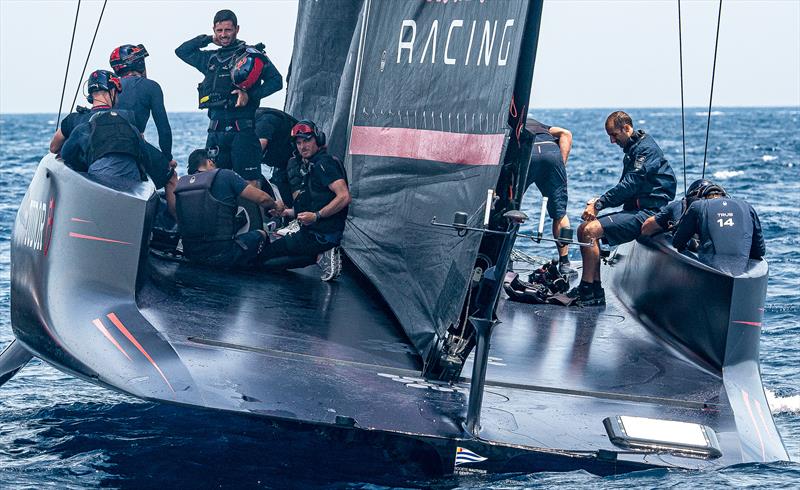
x=306, y=129
x=103, y=80
x=247, y=68
x=128, y=58
x=710, y=188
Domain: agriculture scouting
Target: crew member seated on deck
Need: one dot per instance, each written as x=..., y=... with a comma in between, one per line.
x=724, y=225
x=667, y=218
x=237, y=77
x=321, y=199
x=109, y=147
x=548, y=170
x=206, y=207
x=647, y=184
x=141, y=95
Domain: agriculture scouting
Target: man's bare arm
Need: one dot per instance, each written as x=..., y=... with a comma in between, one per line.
x=564, y=141
x=261, y=198
x=57, y=142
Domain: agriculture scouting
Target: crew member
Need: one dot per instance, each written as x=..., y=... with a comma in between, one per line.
x=237, y=77
x=273, y=128
x=207, y=204
x=321, y=199
x=141, y=95
x=647, y=184
x=551, y=146
x=108, y=146
x=667, y=218
x=725, y=226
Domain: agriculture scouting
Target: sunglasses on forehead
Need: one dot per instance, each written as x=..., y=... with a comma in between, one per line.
x=303, y=129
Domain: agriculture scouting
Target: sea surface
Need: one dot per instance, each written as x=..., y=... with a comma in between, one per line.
x=57, y=431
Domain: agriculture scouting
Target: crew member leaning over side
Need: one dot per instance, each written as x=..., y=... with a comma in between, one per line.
x=668, y=217
x=321, y=199
x=109, y=147
x=724, y=225
x=237, y=77
x=207, y=205
x=141, y=95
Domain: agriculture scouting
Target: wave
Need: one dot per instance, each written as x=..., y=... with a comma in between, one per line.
x=713, y=113
x=768, y=158
x=782, y=404
x=727, y=174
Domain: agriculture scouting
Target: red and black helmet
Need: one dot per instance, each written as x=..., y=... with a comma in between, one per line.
x=128, y=58
x=247, y=68
x=103, y=80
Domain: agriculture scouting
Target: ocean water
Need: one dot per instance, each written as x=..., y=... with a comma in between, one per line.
x=60, y=432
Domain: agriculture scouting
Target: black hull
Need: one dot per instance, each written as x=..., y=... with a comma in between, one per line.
x=331, y=357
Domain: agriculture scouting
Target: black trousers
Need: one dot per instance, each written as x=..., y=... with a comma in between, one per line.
x=302, y=245
x=239, y=151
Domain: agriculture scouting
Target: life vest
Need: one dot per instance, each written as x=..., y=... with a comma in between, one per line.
x=214, y=92
x=112, y=133
x=201, y=217
x=726, y=227
x=312, y=198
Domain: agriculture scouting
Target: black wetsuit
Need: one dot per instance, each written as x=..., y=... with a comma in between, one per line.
x=725, y=226
x=647, y=184
x=197, y=213
x=231, y=128
x=144, y=97
x=547, y=169
x=275, y=126
x=115, y=169
x=312, y=179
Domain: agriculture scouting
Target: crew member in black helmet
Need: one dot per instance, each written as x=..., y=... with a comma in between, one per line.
x=237, y=77
x=206, y=207
x=667, y=218
x=548, y=170
x=321, y=199
x=273, y=128
x=141, y=95
x=725, y=226
x=108, y=146
x=646, y=185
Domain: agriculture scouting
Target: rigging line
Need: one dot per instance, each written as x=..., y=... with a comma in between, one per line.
x=91, y=46
x=69, y=57
x=683, y=117
x=711, y=95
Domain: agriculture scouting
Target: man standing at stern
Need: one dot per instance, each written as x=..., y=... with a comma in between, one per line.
x=237, y=77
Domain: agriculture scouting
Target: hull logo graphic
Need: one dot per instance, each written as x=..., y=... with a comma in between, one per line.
x=34, y=236
x=464, y=455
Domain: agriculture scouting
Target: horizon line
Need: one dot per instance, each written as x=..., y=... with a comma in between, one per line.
x=797, y=107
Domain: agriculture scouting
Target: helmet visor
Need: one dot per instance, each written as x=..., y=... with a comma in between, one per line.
x=303, y=130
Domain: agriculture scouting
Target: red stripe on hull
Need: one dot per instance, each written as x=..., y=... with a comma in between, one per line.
x=117, y=323
x=752, y=324
x=97, y=238
x=424, y=144
x=97, y=323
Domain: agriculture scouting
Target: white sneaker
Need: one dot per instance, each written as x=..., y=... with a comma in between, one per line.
x=331, y=263
x=292, y=227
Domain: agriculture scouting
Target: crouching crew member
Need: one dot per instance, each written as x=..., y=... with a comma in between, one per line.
x=273, y=128
x=551, y=147
x=647, y=184
x=207, y=204
x=141, y=95
x=321, y=199
x=667, y=218
x=237, y=77
x=725, y=226
x=109, y=147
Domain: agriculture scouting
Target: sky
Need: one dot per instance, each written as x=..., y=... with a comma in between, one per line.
x=592, y=53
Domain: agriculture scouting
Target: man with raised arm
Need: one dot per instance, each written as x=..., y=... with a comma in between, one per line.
x=237, y=77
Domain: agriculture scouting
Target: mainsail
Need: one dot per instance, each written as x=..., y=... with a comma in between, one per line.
x=427, y=86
